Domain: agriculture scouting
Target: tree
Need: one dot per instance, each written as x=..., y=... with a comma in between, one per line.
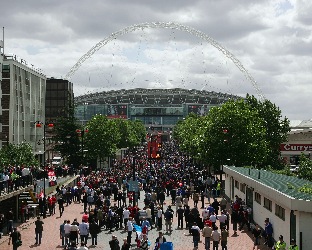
x=128, y=134
x=276, y=129
x=233, y=131
x=102, y=138
x=67, y=140
x=15, y=155
x=186, y=133
x=305, y=168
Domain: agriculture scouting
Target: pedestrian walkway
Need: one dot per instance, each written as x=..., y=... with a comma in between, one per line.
x=180, y=237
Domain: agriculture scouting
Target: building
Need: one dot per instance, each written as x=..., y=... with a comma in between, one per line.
x=59, y=101
x=22, y=104
x=59, y=98
x=276, y=197
x=299, y=141
x=157, y=108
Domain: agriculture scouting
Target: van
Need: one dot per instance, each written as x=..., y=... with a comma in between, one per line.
x=57, y=161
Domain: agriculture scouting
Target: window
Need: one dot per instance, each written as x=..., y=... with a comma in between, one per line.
x=242, y=187
x=279, y=212
x=236, y=184
x=258, y=198
x=267, y=204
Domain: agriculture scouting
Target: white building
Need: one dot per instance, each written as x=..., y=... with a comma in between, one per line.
x=22, y=103
x=275, y=197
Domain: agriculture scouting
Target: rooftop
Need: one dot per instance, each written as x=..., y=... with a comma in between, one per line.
x=278, y=182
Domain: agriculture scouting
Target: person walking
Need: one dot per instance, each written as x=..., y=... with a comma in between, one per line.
x=160, y=240
x=62, y=233
x=293, y=245
x=114, y=243
x=16, y=238
x=159, y=218
x=168, y=220
x=207, y=232
x=195, y=230
x=268, y=228
x=215, y=238
x=180, y=214
x=256, y=232
x=144, y=243
x=84, y=231
x=224, y=238
x=60, y=202
x=130, y=229
x=94, y=230
x=125, y=245
x=280, y=244
x=38, y=230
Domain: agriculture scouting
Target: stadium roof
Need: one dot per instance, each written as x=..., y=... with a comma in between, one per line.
x=142, y=96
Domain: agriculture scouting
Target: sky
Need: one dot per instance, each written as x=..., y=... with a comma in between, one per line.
x=259, y=47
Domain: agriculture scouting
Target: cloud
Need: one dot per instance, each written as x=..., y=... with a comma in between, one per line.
x=272, y=40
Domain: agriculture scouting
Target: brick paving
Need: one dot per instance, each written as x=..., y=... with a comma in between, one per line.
x=51, y=240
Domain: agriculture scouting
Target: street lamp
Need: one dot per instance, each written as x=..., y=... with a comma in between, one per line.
x=81, y=133
x=39, y=124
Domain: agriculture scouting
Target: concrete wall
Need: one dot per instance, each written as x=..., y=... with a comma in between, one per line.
x=260, y=213
x=304, y=225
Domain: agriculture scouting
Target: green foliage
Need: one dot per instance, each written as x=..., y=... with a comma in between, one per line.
x=20, y=154
x=233, y=131
x=67, y=140
x=240, y=132
x=102, y=138
x=276, y=129
x=305, y=189
x=186, y=133
x=305, y=168
x=284, y=171
x=131, y=133
x=290, y=186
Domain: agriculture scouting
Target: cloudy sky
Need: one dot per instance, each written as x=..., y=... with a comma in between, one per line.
x=271, y=39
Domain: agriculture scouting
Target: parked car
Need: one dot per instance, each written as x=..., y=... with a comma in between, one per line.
x=294, y=168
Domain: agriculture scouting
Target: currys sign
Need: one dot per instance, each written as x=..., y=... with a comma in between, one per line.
x=296, y=147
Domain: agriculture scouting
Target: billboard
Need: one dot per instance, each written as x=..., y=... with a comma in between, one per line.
x=117, y=111
x=198, y=109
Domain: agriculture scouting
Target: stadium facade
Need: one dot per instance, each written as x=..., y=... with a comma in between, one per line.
x=157, y=108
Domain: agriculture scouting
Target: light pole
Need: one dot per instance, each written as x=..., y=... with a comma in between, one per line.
x=40, y=124
x=81, y=133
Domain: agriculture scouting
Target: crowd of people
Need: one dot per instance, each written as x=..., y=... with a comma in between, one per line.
x=109, y=205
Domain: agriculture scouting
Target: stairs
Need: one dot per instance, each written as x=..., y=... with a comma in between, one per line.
x=29, y=197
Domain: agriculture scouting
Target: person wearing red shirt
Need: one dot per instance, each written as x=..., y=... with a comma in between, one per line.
x=53, y=200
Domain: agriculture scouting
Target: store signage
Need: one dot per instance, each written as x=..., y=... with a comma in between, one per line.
x=296, y=147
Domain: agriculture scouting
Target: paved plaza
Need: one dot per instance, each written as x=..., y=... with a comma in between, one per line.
x=180, y=238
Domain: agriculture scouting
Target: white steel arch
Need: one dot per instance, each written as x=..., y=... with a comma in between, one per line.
x=166, y=25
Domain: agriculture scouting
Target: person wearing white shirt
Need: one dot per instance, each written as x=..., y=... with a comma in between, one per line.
x=84, y=231
x=6, y=179
x=205, y=214
x=149, y=216
x=129, y=229
x=213, y=219
x=67, y=228
x=222, y=218
x=126, y=214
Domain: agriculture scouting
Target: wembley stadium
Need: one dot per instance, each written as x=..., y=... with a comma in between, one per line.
x=159, y=108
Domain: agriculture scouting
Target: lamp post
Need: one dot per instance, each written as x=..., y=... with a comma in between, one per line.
x=39, y=124
x=81, y=133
